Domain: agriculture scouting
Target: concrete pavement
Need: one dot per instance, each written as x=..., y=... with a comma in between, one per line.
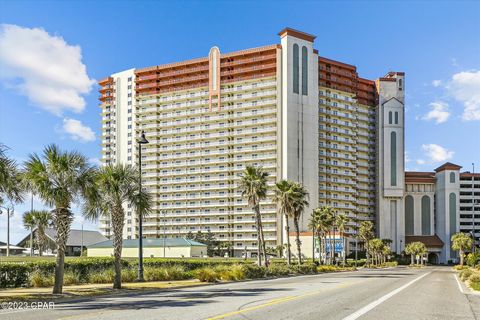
x=397, y=293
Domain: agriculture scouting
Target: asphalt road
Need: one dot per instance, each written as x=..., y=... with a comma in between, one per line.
x=398, y=293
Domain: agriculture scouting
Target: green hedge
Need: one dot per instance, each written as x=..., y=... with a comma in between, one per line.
x=40, y=273
x=81, y=270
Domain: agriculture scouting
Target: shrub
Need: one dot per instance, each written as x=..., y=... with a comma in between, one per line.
x=234, y=272
x=128, y=275
x=166, y=273
x=101, y=277
x=473, y=259
x=326, y=268
x=474, y=277
x=71, y=278
x=465, y=274
x=277, y=270
x=206, y=275
x=459, y=267
x=14, y=275
x=253, y=271
x=308, y=268
x=39, y=280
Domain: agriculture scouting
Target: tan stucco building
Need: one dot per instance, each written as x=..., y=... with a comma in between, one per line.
x=152, y=248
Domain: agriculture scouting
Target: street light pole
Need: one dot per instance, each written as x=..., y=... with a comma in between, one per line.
x=141, y=141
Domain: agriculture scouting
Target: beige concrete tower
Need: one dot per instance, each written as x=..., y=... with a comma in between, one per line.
x=300, y=113
x=390, y=161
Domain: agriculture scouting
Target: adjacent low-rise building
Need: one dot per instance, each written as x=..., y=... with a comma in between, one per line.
x=152, y=248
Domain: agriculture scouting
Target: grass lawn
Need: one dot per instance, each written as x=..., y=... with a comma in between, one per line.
x=88, y=290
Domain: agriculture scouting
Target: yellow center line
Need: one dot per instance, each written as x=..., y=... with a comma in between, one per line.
x=277, y=301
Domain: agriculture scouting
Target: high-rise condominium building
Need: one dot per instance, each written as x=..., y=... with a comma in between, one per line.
x=300, y=116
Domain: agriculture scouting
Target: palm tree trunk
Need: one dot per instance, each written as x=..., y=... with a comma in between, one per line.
x=344, y=251
x=259, y=237
x=41, y=240
x=63, y=220
x=31, y=241
x=460, y=252
x=367, y=254
x=319, y=237
x=299, y=243
x=117, y=225
x=262, y=238
x=332, y=246
x=289, y=252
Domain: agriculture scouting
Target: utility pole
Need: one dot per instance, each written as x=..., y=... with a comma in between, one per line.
x=31, y=230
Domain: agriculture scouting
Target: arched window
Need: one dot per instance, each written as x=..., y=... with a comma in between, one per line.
x=304, y=71
x=393, y=158
x=452, y=177
x=426, y=215
x=396, y=117
x=452, y=205
x=296, y=71
x=390, y=117
x=409, y=215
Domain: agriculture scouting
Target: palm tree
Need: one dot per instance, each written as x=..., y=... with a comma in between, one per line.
x=461, y=242
x=59, y=178
x=284, y=200
x=321, y=222
x=43, y=219
x=300, y=195
x=11, y=187
x=29, y=223
x=365, y=233
x=253, y=184
x=115, y=186
x=341, y=222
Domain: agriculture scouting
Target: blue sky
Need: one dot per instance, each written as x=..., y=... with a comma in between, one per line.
x=52, y=53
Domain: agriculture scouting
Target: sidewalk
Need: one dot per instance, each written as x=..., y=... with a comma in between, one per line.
x=87, y=290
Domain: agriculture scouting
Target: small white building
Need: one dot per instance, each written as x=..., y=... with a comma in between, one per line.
x=152, y=248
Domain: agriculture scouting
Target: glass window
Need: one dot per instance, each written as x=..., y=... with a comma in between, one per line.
x=296, y=71
x=452, y=177
x=396, y=117
x=393, y=159
x=390, y=117
x=304, y=71
x=426, y=216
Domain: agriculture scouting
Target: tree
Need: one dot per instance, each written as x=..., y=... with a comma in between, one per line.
x=461, y=242
x=59, y=178
x=341, y=222
x=414, y=249
x=320, y=223
x=283, y=198
x=38, y=220
x=375, y=247
x=29, y=224
x=209, y=239
x=253, y=184
x=300, y=195
x=11, y=187
x=114, y=186
x=365, y=233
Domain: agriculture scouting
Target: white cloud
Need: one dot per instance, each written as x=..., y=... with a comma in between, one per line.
x=78, y=131
x=420, y=161
x=436, y=83
x=437, y=153
x=465, y=87
x=438, y=112
x=44, y=68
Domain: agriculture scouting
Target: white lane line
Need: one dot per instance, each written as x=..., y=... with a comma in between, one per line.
x=458, y=282
x=357, y=314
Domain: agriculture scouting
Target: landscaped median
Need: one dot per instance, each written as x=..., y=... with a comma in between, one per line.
x=94, y=276
x=470, y=275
